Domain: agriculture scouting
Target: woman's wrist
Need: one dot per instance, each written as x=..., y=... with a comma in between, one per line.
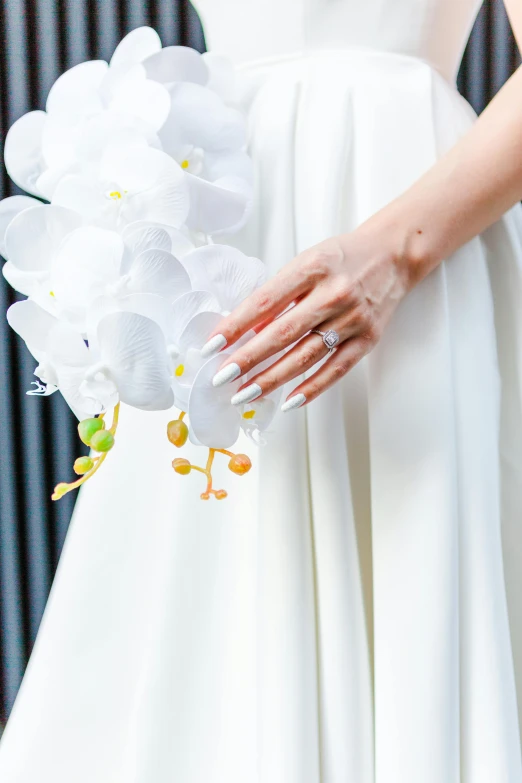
x=407, y=239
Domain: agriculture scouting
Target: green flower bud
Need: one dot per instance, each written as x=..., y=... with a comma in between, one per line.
x=102, y=441
x=177, y=432
x=83, y=465
x=88, y=427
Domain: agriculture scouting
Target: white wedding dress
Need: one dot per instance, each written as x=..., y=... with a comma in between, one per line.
x=353, y=612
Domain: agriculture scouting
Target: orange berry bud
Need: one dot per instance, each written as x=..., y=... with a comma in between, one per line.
x=221, y=494
x=182, y=466
x=240, y=464
x=177, y=432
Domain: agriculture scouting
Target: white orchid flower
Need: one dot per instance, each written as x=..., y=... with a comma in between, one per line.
x=72, y=147
x=41, y=146
x=186, y=324
x=91, y=87
x=225, y=272
x=133, y=183
x=128, y=360
x=91, y=263
x=64, y=360
x=32, y=240
x=214, y=421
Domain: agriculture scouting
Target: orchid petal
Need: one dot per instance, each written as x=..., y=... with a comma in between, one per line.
x=48, y=181
x=198, y=329
x=158, y=272
x=23, y=150
x=226, y=272
x=25, y=283
x=134, y=350
x=149, y=305
x=198, y=117
x=214, y=209
x=66, y=346
x=75, y=92
x=32, y=323
x=34, y=235
x=59, y=138
x=186, y=307
x=84, y=196
x=136, y=47
x=83, y=397
x=10, y=208
x=113, y=128
x=229, y=164
x=145, y=99
x=222, y=77
x=177, y=64
x=215, y=422
x=140, y=236
x=88, y=260
x=265, y=411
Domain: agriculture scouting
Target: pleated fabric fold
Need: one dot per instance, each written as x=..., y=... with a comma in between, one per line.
x=342, y=617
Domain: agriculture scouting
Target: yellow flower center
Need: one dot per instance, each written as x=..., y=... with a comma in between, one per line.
x=185, y=164
x=180, y=369
x=249, y=414
x=51, y=293
x=115, y=194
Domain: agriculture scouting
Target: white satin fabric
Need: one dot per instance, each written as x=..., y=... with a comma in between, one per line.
x=342, y=617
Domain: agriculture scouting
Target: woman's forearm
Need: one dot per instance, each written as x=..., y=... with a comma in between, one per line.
x=466, y=191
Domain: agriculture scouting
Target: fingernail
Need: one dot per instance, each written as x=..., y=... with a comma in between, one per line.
x=247, y=394
x=294, y=402
x=214, y=345
x=227, y=374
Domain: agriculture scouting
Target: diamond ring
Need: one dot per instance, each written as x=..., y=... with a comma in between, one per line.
x=330, y=338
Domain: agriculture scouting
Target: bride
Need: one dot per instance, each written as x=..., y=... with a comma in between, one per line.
x=352, y=613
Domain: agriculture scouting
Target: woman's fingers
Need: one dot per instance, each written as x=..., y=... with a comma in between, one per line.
x=303, y=356
x=263, y=305
x=274, y=338
x=340, y=362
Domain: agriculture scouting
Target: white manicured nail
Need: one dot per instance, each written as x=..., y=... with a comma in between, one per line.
x=227, y=374
x=214, y=345
x=247, y=394
x=294, y=402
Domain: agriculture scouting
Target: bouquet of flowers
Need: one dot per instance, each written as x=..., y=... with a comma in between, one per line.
x=135, y=168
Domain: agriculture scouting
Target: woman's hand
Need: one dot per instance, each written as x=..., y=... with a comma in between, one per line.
x=351, y=284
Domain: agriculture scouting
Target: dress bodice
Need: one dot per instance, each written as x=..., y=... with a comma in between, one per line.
x=434, y=30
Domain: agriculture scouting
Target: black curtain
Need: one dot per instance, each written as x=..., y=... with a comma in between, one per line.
x=39, y=39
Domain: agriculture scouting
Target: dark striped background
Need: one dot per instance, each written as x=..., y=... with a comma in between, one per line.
x=38, y=40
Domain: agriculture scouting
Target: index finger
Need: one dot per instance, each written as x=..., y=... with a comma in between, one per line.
x=260, y=307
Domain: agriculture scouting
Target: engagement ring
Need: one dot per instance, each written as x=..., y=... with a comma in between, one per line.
x=330, y=338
